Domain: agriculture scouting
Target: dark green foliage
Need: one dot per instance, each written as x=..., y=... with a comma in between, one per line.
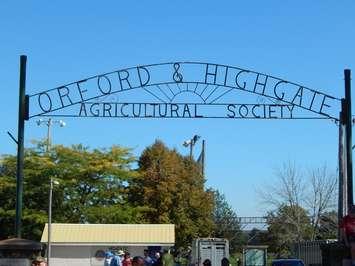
x=226, y=224
x=328, y=225
x=287, y=226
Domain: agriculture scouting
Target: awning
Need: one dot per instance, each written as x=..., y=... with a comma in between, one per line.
x=111, y=234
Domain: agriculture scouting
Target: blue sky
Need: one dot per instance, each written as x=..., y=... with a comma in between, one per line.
x=308, y=42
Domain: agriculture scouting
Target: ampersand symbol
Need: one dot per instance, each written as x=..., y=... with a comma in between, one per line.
x=177, y=76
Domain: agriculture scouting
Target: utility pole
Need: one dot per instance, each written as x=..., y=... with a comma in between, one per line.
x=203, y=158
x=49, y=244
x=49, y=220
x=191, y=143
x=49, y=124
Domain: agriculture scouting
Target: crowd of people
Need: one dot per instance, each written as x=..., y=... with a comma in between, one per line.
x=122, y=258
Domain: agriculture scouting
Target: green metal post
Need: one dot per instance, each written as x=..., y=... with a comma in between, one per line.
x=348, y=136
x=20, y=146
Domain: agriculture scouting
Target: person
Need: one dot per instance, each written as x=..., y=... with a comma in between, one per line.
x=224, y=262
x=157, y=260
x=117, y=259
x=239, y=262
x=39, y=261
x=347, y=227
x=127, y=261
x=148, y=261
x=108, y=258
x=167, y=259
x=138, y=261
x=206, y=262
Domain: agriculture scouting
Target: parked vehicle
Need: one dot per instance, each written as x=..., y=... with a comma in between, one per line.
x=214, y=249
x=287, y=262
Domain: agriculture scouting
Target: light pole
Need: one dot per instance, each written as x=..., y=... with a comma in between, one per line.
x=191, y=143
x=51, y=182
x=49, y=122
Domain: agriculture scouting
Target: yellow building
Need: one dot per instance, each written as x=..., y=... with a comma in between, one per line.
x=85, y=244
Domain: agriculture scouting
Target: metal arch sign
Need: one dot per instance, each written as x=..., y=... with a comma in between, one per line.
x=214, y=85
x=157, y=87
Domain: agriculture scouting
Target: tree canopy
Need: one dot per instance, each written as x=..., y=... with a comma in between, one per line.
x=226, y=223
x=91, y=187
x=171, y=188
x=101, y=186
x=286, y=226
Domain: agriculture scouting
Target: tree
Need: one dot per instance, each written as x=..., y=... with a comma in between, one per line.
x=321, y=198
x=226, y=223
x=92, y=187
x=257, y=237
x=170, y=188
x=328, y=225
x=286, y=226
x=313, y=192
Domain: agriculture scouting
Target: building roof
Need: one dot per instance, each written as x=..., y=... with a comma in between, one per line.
x=19, y=244
x=110, y=234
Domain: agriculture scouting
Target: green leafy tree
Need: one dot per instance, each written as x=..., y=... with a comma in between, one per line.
x=92, y=187
x=328, y=225
x=171, y=189
x=257, y=237
x=226, y=223
x=287, y=226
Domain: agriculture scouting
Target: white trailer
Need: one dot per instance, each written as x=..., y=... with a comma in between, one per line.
x=214, y=249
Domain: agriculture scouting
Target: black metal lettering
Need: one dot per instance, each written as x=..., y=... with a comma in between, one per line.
x=175, y=110
x=82, y=108
x=213, y=74
x=253, y=110
x=282, y=110
x=226, y=75
x=186, y=110
x=49, y=101
x=108, y=82
x=246, y=110
x=177, y=76
x=145, y=111
x=122, y=113
x=124, y=78
x=107, y=108
x=264, y=107
x=97, y=112
x=271, y=110
x=81, y=91
x=64, y=95
x=139, y=110
x=275, y=92
x=116, y=107
x=166, y=110
x=140, y=78
x=298, y=95
x=196, y=114
x=229, y=107
x=154, y=106
x=314, y=96
x=290, y=108
x=237, y=77
x=324, y=104
x=263, y=85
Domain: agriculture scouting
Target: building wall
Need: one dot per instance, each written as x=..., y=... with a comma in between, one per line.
x=85, y=255
x=71, y=256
